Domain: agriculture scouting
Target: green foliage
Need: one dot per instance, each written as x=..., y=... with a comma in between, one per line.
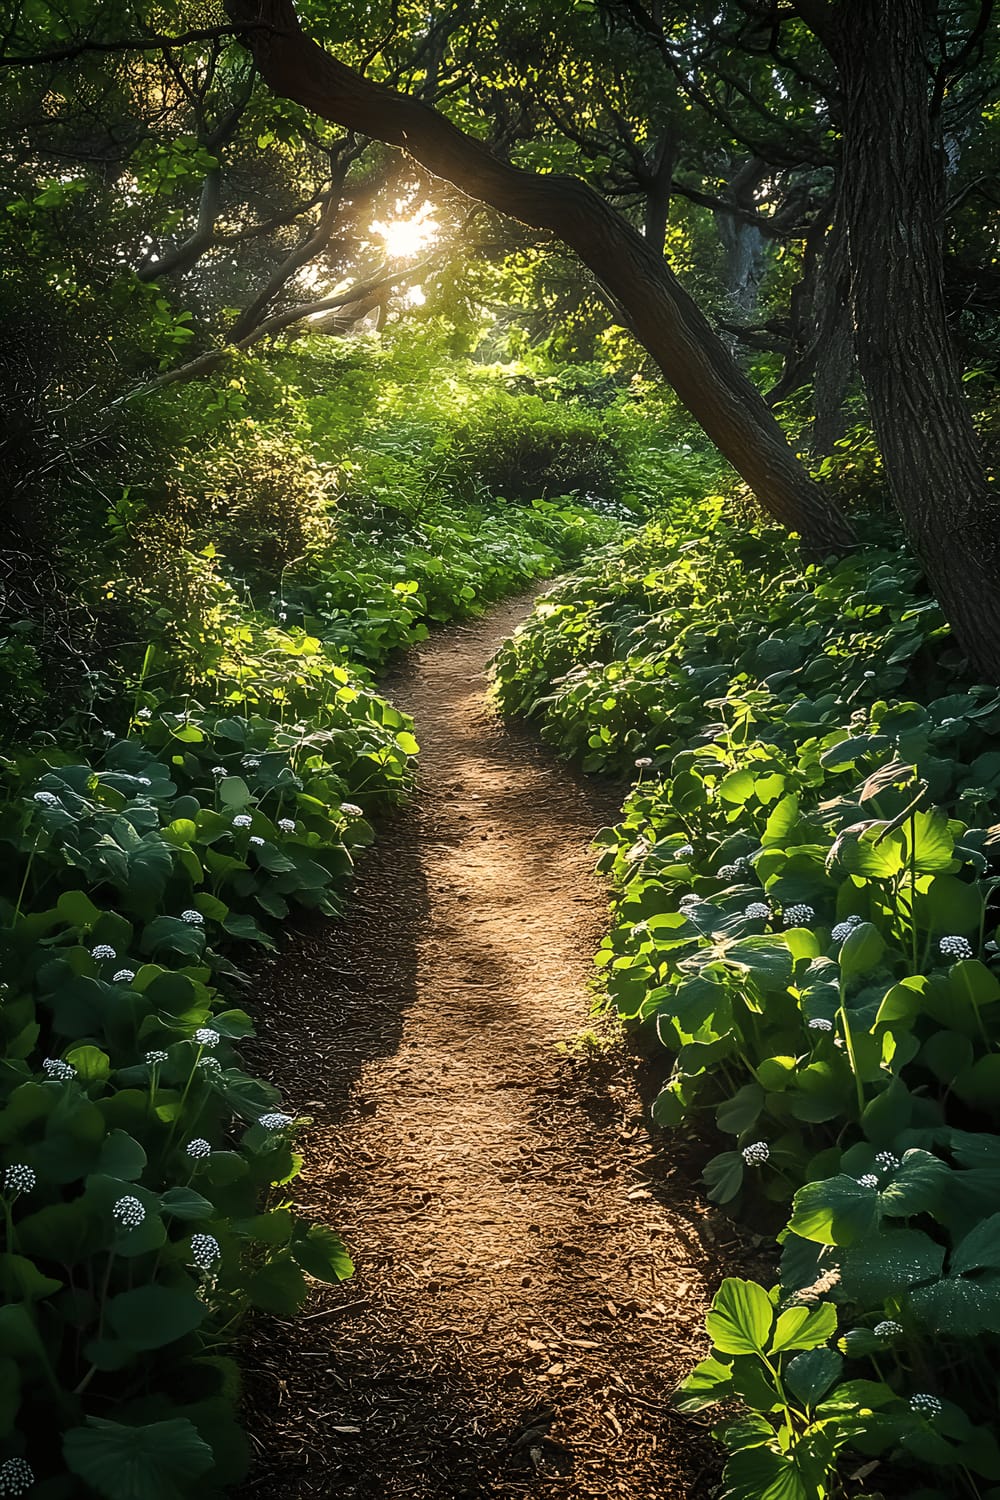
x=804, y=919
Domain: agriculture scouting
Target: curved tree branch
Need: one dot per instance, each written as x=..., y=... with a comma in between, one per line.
x=653, y=303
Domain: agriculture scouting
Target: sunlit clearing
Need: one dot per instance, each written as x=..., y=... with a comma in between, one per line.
x=404, y=238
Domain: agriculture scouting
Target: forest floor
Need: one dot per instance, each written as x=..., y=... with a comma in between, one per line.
x=532, y=1266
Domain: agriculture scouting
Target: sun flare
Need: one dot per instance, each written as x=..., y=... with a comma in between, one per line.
x=405, y=238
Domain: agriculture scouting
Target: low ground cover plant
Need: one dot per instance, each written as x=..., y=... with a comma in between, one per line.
x=805, y=923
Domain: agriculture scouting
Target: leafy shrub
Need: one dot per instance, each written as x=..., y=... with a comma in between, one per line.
x=804, y=918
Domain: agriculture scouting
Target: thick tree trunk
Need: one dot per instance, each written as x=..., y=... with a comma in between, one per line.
x=891, y=180
x=663, y=317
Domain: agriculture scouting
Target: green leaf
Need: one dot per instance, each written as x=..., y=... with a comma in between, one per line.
x=151, y=1316
x=804, y=1327
x=836, y=1211
x=709, y=1382
x=760, y=1473
x=159, y=1461
x=980, y=1249
x=279, y=1287
x=740, y=1318
x=960, y=1306
x=810, y=1375
x=185, y=1203
x=323, y=1254
x=861, y=950
x=122, y=1156
x=887, y=1264
x=724, y=1176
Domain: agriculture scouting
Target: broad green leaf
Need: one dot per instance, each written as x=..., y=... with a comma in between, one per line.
x=760, y=1473
x=151, y=1316
x=323, y=1254
x=979, y=1250
x=835, y=1211
x=810, y=1375
x=159, y=1461
x=804, y=1327
x=709, y=1382
x=740, y=1318
x=279, y=1287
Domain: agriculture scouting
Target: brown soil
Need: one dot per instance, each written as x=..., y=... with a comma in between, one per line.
x=531, y=1266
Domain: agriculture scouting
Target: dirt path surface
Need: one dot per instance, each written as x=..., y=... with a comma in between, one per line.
x=530, y=1268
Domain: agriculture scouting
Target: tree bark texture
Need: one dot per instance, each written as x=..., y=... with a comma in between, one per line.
x=891, y=180
x=659, y=312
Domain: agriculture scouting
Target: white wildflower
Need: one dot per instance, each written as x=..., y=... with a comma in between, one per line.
x=352, y=810
x=18, y=1178
x=47, y=799
x=155, y=1058
x=206, y=1037
x=643, y=762
x=205, y=1250
x=925, y=1405
x=56, y=1068
x=756, y=911
x=123, y=976
x=820, y=1023
x=276, y=1121
x=144, y=713
x=103, y=950
x=250, y=763
x=888, y=1329
x=16, y=1477
x=242, y=820
x=868, y=1180
x=210, y=1065
x=869, y=675
x=798, y=915
x=684, y=852
x=886, y=1161
x=219, y=771
x=287, y=825
x=727, y=872
x=198, y=1149
x=843, y=929
x=256, y=839
x=955, y=947
x=192, y=917
x=128, y=1212
x=756, y=1154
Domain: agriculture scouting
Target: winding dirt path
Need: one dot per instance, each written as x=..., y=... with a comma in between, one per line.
x=530, y=1266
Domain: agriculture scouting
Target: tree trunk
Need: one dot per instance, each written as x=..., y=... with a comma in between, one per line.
x=659, y=312
x=891, y=180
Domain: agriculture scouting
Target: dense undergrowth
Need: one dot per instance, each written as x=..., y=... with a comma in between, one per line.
x=160, y=814
x=804, y=919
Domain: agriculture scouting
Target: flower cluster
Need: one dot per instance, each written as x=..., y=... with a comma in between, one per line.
x=843, y=929
x=276, y=1121
x=955, y=947
x=250, y=763
x=192, y=917
x=798, y=915
x=144, y=713
x=684, y=852
x=47, y=799
x=16, y=1477
x=128, y=1212
x=199, y=1148
x=868, y=1180
x=56, y=1068
x=205, y=1250
x=123, y=976
x=643, y=762
x=820, y=1023
x=287, y=825
x=352, y=810
x=925, y=1405
x=242, y=820
x=155, y=1058
x=757, y=910
x=888, y=1329
x=18, y=1178
x=206, y=1037
x=886, y=1161
x=756, y=1154
x=103, y=950
x=255, y=838
x=219, y=771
